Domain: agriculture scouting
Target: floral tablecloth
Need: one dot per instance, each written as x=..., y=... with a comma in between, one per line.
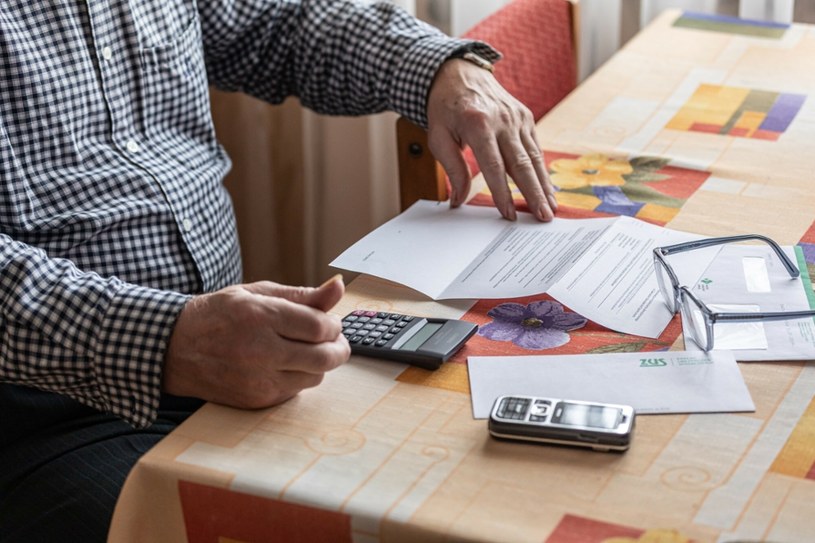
x=704, y=124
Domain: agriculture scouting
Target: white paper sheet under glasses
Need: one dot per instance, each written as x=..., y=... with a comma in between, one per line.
x=702, y=318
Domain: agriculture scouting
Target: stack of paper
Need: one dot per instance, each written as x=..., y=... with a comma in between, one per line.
x=600, y=268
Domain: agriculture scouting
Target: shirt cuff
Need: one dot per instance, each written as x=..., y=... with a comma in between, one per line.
x=411, y=85
x=129, y=353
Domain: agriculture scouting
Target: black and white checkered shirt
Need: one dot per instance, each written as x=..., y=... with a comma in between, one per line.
x=112, y=211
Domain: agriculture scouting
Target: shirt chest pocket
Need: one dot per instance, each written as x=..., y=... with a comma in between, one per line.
x=159, y=23
x=176, y=105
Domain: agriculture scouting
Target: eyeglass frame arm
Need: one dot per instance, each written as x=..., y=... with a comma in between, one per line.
x=791, y=268
x=716, y=316
x=713, y=317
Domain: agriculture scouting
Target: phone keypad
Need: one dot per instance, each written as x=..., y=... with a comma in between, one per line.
x=516, y=408
x=539, y=411
x=513, y=408
x=373, y=328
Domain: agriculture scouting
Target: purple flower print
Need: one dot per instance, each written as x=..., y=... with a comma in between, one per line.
x=536, y=326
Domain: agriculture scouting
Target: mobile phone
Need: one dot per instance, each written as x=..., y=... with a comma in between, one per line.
x=599, y=426
x=421, y=341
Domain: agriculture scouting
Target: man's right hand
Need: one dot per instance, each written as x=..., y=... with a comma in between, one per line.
x=255, y=345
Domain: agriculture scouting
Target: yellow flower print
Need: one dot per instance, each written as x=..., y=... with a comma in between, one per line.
x=589, y=170
x=652, y=536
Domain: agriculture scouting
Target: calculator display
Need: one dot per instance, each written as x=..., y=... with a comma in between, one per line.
x=421, y=336
x=422, y=341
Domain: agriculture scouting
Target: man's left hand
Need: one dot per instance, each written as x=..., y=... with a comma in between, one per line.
x=468, y=107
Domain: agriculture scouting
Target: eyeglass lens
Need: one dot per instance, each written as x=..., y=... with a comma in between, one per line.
x=665, y=285
x=697, y=324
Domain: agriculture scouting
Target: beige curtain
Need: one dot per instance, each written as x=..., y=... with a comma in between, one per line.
x=305, y=187
x=266, y=183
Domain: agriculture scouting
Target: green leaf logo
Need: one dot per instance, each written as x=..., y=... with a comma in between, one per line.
x=706, y=281
x=652, y=362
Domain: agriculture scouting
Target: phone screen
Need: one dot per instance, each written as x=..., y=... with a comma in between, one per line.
x=595, y=416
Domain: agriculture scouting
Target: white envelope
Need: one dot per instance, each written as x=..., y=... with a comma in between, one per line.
x=652, y=382
x=751, y=278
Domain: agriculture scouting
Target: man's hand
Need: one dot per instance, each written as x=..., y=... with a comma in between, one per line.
x=255, y=345
x=467, y=106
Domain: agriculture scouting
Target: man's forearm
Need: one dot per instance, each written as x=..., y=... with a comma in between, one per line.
x=98, y=340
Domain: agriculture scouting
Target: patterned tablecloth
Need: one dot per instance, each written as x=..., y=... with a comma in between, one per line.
x=700, y=123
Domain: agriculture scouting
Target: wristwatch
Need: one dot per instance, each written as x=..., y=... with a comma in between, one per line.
x=476, y=59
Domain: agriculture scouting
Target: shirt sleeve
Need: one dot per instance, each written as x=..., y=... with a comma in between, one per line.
x=98, y=340
x=338, y=57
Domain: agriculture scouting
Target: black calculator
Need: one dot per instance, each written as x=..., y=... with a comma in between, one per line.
x=420, y=341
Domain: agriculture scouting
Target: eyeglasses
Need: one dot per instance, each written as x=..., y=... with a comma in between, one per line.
x=696, y=313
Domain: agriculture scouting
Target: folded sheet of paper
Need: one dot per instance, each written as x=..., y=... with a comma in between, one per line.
x=601, y=268
x=652, y=383
x=751, y=279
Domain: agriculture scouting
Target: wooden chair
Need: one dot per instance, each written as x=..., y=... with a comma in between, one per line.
x=539, y=68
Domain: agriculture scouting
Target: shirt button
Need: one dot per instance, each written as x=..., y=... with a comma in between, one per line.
x=132, y=146
x=107, y=53
x=186, y=224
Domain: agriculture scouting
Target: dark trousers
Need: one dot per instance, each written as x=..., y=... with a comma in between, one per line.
x=62, y=465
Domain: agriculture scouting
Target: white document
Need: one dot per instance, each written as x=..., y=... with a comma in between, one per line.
x=470, y=252
x=600, y=268
x=652, y=383
x=614, y=282
x=748, y=279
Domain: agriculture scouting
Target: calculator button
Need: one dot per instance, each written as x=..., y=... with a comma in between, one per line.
x=367, y=341
x=348, y=332
x=370, y=313
x=355, y=339
x=357, y=324
x=537, y=418
x=362, y=332
x=389, y=322
x=407, y=318
x=374, y=333
x=389, y=336
x=382, y=315
x=382, y=328
x=350, y=318
x=396, y=316
x=401, y=324
x=363, y=319
x=358, y=312
x=376, y=320
x=369, y=326
x=381, y=342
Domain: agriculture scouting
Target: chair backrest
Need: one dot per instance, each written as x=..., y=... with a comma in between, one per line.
x=538, y=41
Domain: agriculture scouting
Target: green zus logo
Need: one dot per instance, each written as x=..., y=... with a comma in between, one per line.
x=652, y=362
x=704, y=284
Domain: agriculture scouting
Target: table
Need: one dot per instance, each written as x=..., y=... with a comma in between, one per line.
x=703, y=124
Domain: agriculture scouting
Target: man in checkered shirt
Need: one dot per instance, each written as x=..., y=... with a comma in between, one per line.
x=121, y=307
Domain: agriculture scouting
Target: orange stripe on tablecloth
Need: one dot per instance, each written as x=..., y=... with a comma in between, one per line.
x=797, y=457
x=214, y=515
